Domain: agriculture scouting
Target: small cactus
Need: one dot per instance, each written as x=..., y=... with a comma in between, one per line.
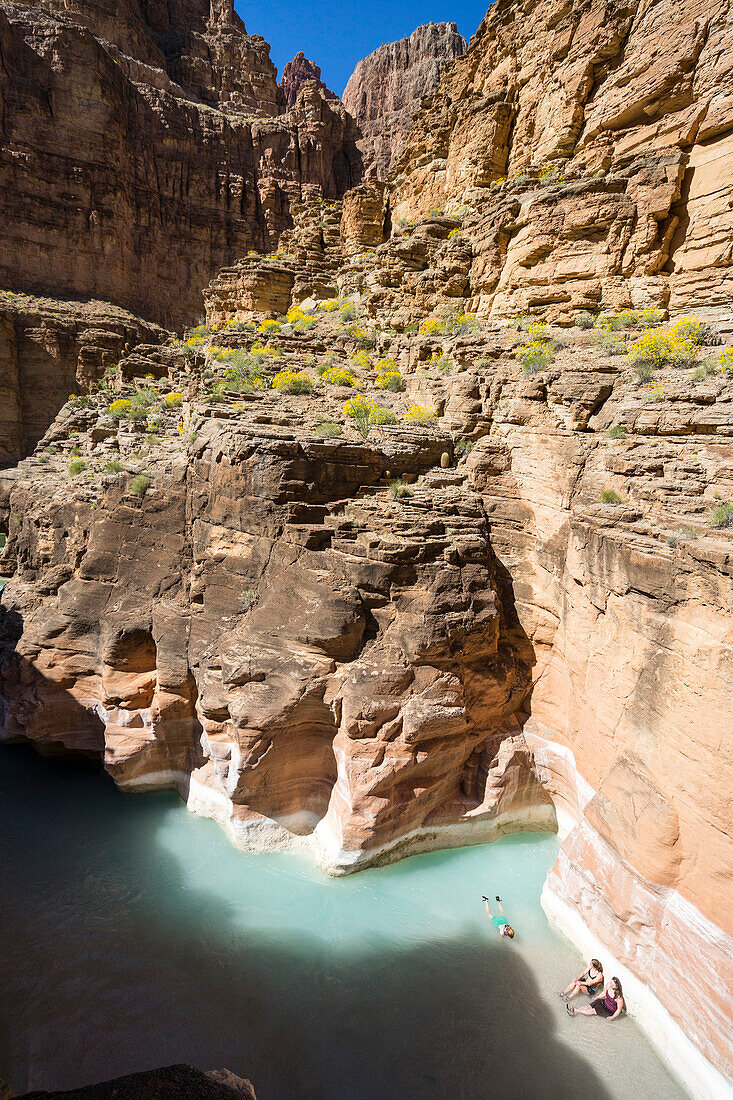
x=445, y=460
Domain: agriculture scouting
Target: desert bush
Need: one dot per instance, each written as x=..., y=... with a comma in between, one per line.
x=420, y=414
x=295, y=313
x=433, y=326
x=537, y=331
x=534, y=356
x=139, y=485
x=76, y=466
x=607, y=342
x=462, y=446
x=80, y=401
x=269, y=327
x=390, y=380
x=454, y=233
x=584, y=319
x=618, y=431
x=361, y=360
x=610, y=496
x=119, y=408
x=349, y=311
x=328, y=428
x=523, y=320
x=249, y=598
x=292, y=381
x=339, y=376
x=365, y=412
x=678, y=344
x=399, y=489
x=305, y=324
x=113, y=467
x=721, y=515
x=703, y=371
x=173, y=400
x=724, y=361
x=386, y=365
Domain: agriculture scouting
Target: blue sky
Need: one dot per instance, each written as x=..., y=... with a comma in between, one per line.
x=338, y=34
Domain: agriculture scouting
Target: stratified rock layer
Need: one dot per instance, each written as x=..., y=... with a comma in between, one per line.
x=296, y=72
x=50, y=349
x=612, y=124
x=141, y=152
x=386, y=89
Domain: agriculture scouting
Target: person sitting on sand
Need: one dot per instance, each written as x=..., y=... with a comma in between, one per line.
x=500, y=922
x=590, y=982
x=610, y=1006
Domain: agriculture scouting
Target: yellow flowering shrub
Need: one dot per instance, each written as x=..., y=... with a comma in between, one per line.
x=120, y=407
x=390, y=380
x=537, y=330
x=433, y=326
x=420, y=414
x=454, y=233
x=329, y=305
x=678, y=344
x=173, y=400
x=295, y=313
x=385, y=366
x=194, y=341
x=292, y=381
x=338, y=376
x=534, y=355
x=365, y=412
x=268, y=327
x=265, y=349
x=724, y=361
x=362, y=359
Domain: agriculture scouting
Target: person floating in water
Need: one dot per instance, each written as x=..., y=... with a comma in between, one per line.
x=500, y=922
x=590, y=981
x=610, y=1006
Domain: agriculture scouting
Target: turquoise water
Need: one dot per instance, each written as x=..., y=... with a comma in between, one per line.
x=134, y=935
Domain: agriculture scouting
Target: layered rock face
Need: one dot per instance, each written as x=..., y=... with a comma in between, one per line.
x=49, y=349
x=296, y=72
x=623, y=113
x=142, y=151
x=385, y=90
x=240, y=600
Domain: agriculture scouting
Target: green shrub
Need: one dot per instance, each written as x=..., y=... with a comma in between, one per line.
x=534, y=356
x=349, y=312
x=113, y=467
x=76, y=466
x=618, y=431
x=139, y=485
x=173, y=400
x=330, y=429
x=399, y=489
x=584, y=319
x=610, y=496
x=391, y=380
x=607, y=342
x=722, y=515
x=703, y=371
x=249, y=598
x=462, y=446
x=366, y=412
x=292, y=381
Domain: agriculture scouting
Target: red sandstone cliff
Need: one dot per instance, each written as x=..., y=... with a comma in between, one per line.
x=385, y=90
x=296, y=72
x=142, y=151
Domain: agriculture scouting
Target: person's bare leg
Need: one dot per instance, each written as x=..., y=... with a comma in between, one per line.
x=575, y=992
x=585, y=1010
x=570, y=988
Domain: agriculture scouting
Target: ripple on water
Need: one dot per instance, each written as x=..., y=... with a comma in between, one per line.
x=135, y=935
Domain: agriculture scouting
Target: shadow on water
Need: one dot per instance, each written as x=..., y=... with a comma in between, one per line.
x=112, y=962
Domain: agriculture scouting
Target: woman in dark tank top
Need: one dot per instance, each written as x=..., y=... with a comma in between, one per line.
x=590, y=981
x=609, y=1006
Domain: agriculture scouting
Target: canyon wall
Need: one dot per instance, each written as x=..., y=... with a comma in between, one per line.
x=141, y=151
x=385, y=90
x=624, y=114
x=499, y=598
x=296, y=72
